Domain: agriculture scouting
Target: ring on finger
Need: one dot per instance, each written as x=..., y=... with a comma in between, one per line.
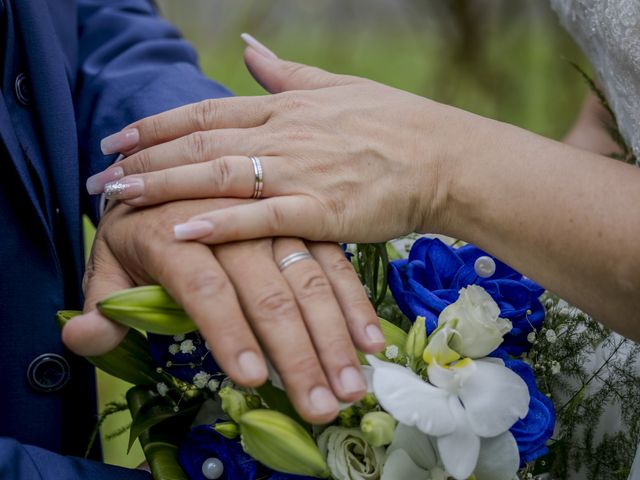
x=293, y=258
x=258, y=177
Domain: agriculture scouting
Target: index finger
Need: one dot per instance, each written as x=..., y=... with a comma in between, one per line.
x=210, y=114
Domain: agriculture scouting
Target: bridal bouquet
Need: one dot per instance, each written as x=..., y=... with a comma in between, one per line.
x=453, y=395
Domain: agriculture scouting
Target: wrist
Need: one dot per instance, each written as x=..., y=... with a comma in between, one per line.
x=486, y=170
x=448, y=136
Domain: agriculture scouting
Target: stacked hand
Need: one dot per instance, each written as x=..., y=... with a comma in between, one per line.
x=306, y=318
x=343, y=158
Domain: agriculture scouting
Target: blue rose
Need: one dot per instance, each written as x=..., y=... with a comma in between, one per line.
x=430, y=279
x=534, y=430
x=203, y=442
x=182, y=357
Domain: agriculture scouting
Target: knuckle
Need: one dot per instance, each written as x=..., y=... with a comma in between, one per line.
x=293, y=101
x=304, y=365
x=314, y=285
x=206, y=284
x=274, y=217
x=204, y=114
x=340, y=264
x=197, y=146
x=220, y=174
x=155, y=126
x=277, y=304
x=138, y=163
x=339, y=350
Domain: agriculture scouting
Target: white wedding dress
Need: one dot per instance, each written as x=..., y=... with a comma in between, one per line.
x=609, y=33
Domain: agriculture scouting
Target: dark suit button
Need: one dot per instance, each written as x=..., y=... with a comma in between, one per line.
x=22, y=89
x=48, y=373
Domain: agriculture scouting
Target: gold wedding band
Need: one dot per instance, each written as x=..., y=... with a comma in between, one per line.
x=257, y=173
x=293, y=258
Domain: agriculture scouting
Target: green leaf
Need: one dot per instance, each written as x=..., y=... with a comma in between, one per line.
x=157, y=409
x=160, y=442
x=393, y=335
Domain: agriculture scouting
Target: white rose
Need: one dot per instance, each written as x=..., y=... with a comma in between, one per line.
x=476, y=321
x=349, y=456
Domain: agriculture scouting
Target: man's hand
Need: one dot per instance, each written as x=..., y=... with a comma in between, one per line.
x=306, y=318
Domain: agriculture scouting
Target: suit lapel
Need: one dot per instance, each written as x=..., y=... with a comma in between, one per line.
x=53, y=103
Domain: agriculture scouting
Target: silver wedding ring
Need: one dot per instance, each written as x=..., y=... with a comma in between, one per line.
x=257, y=173
x=293, y=258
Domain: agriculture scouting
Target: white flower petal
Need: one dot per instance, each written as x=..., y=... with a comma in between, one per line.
x=494, y=398
x=499, y=458
x=399, y=466
x=416, y=444
x=410, y=400
x=459, y=450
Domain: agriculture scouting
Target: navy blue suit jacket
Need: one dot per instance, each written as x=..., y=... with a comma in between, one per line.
x=73, y=71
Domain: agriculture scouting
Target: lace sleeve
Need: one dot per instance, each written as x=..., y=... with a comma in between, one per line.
x=608, y=31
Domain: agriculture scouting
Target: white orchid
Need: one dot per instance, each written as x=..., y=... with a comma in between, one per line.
x=474, y=323
x=468, y=408
x=412, y=456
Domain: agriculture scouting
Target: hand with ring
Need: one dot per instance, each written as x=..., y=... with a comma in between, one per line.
x=298, y=304
x=341, y=159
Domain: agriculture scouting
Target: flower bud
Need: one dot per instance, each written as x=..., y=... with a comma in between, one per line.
x=148, y=308
x=416, y=339
x=228, y=430
x=378, y=428
x=369, y=401
x=281, y=444
x=253, y=401
x=347, y=417
x=475, y=317
x=234, y=403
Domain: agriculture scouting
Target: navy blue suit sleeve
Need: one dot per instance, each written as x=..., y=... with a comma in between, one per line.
x=24, y=462
x=132, y=64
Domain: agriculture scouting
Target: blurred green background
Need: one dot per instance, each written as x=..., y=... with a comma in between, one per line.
x=506, y=59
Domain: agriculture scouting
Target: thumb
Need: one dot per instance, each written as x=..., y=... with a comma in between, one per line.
x=92, y=334
x=277, y=75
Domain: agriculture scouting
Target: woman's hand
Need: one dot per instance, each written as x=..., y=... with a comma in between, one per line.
x=343, y=158
x=304, y=318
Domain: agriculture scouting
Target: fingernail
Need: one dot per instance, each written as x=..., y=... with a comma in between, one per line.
x=120, y=142
x=352, y=381
x=127, y=188
x=257, y=46
x=96, y=183
x=252, y=367
x=322, y=401
x=192, y=230
x=374, y=334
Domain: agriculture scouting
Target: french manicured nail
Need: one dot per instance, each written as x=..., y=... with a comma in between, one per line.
x=124, y=189
x=192, y=230
x=374, y=334
x=257, y=46
x=352, y=381
x=322, y=401
x=120, y=142
x=252, y=367
x=96, y=183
